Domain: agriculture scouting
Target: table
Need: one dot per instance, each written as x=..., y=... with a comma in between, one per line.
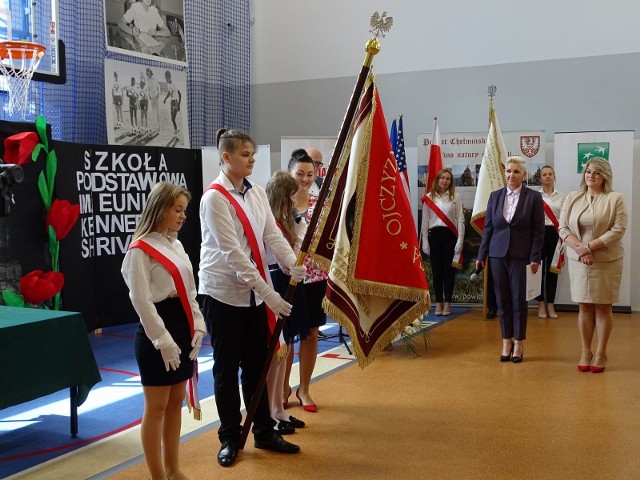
x=42, y=352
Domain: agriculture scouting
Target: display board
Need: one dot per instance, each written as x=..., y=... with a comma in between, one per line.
x=111, y=184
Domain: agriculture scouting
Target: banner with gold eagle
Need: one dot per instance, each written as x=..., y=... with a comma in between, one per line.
x=366, y=237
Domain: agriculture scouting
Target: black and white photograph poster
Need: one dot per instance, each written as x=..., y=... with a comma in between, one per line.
x=145, y=105
x=146, y=28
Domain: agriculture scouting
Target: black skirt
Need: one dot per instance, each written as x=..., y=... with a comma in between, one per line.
x=150, y=363
x=315, y=293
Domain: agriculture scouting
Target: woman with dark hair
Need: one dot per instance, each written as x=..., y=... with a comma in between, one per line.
x=158, y=273
x=443, y=236
x=301, y=167
x=592, y=223
x=237, y=224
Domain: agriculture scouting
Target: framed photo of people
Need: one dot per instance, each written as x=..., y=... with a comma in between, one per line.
x=146, y=28
x=145, y=105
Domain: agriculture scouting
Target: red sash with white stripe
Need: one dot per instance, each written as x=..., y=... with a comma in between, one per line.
x=558, y=256
x=260, y=259
x=193, y=399
x=457, y=257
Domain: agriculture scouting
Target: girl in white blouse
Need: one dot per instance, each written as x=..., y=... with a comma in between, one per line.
x=553, y=200
x=442, y=236
x=159, y=275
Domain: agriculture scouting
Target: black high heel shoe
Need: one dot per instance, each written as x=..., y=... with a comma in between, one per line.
x=518, y=359
x=506, y=358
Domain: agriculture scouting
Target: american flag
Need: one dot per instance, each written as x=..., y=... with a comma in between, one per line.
x=401, y=158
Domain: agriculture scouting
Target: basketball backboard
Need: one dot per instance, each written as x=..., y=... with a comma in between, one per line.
x=35, y=21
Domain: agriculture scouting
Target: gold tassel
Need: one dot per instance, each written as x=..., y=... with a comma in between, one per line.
x=281, y=353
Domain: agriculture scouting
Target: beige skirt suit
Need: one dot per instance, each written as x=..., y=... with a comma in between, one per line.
x=590, y=217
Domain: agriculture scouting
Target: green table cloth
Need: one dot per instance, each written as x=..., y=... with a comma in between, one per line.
x=44, y=351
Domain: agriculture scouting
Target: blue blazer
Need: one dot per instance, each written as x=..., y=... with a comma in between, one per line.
x=523, y=237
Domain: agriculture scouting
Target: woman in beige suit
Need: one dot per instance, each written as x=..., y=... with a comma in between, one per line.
x=592, y=223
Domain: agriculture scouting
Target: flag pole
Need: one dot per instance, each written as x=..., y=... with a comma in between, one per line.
x=485, y=282
x=372, y=47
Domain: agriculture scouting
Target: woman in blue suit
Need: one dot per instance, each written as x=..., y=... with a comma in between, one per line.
x=512, y=238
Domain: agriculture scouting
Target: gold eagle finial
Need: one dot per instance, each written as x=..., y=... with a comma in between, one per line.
x=380, y=24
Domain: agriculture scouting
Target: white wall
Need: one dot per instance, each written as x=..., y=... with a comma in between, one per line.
x=310, y=39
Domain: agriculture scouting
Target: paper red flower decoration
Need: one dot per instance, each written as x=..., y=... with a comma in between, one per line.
x=62, y=216
x=18, y=147
x=39, y=286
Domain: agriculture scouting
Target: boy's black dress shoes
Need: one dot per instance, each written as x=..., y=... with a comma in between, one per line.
x=228, y=453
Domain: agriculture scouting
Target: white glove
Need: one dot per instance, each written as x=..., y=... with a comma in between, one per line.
x=298, y=272
x=459, y=244
x=425, y=245
x=171, y=356
x=274, y=301
x=196, y=343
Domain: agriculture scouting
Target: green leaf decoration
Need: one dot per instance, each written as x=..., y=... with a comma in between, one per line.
x=52, y=169
x=55, y=259
x=44, y=191
x=54, y=249
x=52, y=236
x=41, y=128
x=12, y=299
x=36, y=152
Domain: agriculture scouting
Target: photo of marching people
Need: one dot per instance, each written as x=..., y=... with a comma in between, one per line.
x=149, y=106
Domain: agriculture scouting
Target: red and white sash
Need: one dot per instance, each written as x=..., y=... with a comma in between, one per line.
x=457, y=257
x=259, y=255
x=181, y=279
x=558, y=256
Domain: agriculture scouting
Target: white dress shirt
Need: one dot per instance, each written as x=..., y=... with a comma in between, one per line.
x=555, y=202
x=227, y=271
x=451, y=207
x=149, y=282
x=511, y=202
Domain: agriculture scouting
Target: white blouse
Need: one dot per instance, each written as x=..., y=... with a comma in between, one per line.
x=451, y=207
x=555, y=202
x=149, y=282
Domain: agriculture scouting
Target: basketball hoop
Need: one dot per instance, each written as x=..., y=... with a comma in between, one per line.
x=18, y=61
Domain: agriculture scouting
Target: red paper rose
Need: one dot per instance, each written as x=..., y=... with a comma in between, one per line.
x=62, y=216
x=39, y=286
x=18, y=147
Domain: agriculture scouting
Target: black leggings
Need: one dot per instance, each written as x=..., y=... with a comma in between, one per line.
x=549, y=279
x=442, y=243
